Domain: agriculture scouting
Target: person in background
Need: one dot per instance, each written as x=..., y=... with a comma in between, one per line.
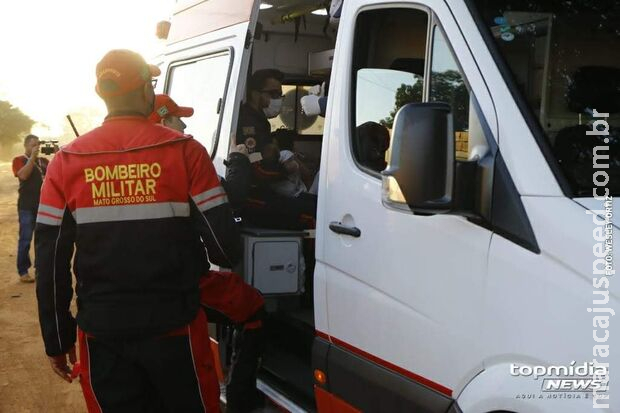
x=168, y=113
x=373, y=141
x=264, y=101
x=292, y=186
x=226, y=298
x=315, y=102
x=30, y=169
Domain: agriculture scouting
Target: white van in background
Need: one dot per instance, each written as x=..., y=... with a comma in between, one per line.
x=470, y=275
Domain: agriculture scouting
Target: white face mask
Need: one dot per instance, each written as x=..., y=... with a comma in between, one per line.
x=273, y=110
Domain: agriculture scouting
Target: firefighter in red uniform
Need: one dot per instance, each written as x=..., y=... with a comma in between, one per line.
x=227, y=299
x=143, y=206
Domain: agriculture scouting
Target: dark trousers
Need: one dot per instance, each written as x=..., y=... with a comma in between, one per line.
x=270, y=210
x=26, y=229
x=229, y=301
x=171, y=373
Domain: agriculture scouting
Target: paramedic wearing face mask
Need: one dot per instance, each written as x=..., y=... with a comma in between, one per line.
x=264, y=100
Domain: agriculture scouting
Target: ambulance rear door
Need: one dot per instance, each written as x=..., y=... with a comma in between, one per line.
x=206, y=62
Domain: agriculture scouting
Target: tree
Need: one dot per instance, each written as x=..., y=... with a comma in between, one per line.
x=404, y=94
x=447, y=86
x=14, y=124
x=450, y=88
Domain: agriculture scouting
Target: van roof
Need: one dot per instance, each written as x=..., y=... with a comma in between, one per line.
x=193, y=18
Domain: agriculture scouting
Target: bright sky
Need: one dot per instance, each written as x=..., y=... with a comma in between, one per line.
x=49, y=50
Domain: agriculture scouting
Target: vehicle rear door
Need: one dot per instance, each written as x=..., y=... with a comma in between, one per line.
x=206, y=62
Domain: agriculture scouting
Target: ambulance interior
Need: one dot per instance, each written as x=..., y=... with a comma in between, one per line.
x=296, y=38
x=300, y=43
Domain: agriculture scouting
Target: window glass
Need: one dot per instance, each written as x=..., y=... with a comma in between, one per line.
x=381, y=92
x=564, y=58
x=389, y=60
x=201, y=84
x=448, y=85
x=292, y=117
x=388, y=70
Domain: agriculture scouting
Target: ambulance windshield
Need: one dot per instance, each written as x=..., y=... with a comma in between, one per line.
x=564, y=58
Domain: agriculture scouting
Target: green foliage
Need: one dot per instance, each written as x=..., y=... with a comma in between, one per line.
x=404, y=94
x=14, y=124
x=446, y=87
x=449, y=87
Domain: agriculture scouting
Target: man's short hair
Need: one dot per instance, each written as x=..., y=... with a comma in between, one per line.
x=30, y=137
x=258, y=78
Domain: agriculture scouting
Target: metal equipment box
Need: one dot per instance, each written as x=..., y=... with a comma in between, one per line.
x=273, y=261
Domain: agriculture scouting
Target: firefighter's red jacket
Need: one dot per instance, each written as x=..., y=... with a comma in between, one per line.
x=140, y=202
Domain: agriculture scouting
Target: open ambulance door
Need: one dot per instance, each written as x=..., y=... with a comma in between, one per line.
x=205, y=63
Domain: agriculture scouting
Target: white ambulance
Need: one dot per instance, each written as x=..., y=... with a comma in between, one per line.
x=474, y=273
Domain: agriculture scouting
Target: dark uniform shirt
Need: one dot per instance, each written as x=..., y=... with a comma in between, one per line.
x=30, y=189
x=253, y=124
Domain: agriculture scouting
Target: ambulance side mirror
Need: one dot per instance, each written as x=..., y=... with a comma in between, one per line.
x=420, y=172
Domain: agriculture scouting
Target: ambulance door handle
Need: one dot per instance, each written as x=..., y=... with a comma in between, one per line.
x=339, y=228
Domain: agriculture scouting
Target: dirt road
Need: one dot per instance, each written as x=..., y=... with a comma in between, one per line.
x=27, y=383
